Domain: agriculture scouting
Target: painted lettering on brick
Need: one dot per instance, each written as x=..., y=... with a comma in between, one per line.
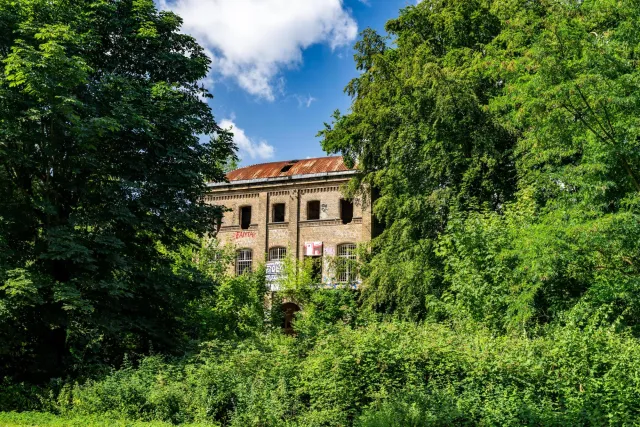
x=244, y=235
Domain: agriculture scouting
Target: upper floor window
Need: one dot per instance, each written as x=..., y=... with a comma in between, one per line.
x=313, y=209
x=277, y=214
x=245, y=217
x=244, y=261
x=347, y=263
x=277, y=254
x=346, y=211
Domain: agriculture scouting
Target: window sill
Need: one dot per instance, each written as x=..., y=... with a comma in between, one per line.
x=325, y=222
x=252, y=227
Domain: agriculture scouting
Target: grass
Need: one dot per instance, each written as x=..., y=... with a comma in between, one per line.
x=41, y=419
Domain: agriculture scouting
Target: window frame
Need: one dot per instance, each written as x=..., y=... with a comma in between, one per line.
x=244, y=264
x=280, y=251
x=346, y=255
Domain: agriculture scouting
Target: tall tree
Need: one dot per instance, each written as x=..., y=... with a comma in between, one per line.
x=571, y=93
x=102, y=167
x=567, y=248
x=420, y=133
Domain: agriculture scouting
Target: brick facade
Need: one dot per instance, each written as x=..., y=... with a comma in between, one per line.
x=295, y=191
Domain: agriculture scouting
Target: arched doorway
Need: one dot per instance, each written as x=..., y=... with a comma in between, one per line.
x=289, y=310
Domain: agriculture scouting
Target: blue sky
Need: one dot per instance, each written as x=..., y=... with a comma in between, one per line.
x=280, y=66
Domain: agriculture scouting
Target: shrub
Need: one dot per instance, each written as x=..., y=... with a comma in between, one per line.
x=33, y=419
x=385, y=373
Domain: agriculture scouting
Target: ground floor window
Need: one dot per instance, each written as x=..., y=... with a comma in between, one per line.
x=316, y=268
x=289, y=311
x=277, y=253
x=347, y=263
x=244, y=261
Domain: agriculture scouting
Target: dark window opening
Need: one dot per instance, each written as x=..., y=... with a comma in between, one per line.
x=378, y=224
x=278, y=213
x=316, y=268
x=245, y=217
x=346, y=211
x=289, y=311
x=313, y=209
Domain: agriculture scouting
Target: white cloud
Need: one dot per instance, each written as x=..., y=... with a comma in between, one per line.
x=251, y=41
x=255, y=149
x=304, y=101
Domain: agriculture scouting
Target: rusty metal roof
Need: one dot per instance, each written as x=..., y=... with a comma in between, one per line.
x=289, y=168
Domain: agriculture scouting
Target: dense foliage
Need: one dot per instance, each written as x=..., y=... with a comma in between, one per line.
x=419, y=130
x=384, y=374
x=40, y=419
x=499, y=140
x=502, y=138
x=102, y=169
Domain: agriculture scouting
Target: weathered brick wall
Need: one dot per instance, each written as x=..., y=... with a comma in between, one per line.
x=296, y=230
x=230, y=232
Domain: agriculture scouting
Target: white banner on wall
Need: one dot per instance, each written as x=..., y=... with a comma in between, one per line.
x=275, y=270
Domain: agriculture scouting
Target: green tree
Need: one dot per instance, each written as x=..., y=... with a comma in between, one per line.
x=567, y=248
x=420, y=133
x=102, y=173
x=571, y=84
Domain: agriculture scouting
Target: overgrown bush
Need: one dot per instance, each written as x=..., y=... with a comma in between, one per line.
x=33, y=419
x=386, y=373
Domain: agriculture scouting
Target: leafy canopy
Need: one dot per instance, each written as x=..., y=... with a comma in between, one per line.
x=501, y=140
x=102, y=168
x=420, y=133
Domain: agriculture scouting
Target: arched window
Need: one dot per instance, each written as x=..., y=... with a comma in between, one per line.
x=277, y=254
x=244, y=261
x=347, y=263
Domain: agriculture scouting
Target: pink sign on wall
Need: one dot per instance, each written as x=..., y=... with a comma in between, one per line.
x=313, y=249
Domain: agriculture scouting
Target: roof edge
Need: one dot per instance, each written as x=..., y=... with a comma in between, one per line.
x=278, y=179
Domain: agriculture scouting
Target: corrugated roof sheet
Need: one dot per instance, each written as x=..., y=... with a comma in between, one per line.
x=289, y=168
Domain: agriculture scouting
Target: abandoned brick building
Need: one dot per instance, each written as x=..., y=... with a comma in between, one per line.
x=292, y=208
